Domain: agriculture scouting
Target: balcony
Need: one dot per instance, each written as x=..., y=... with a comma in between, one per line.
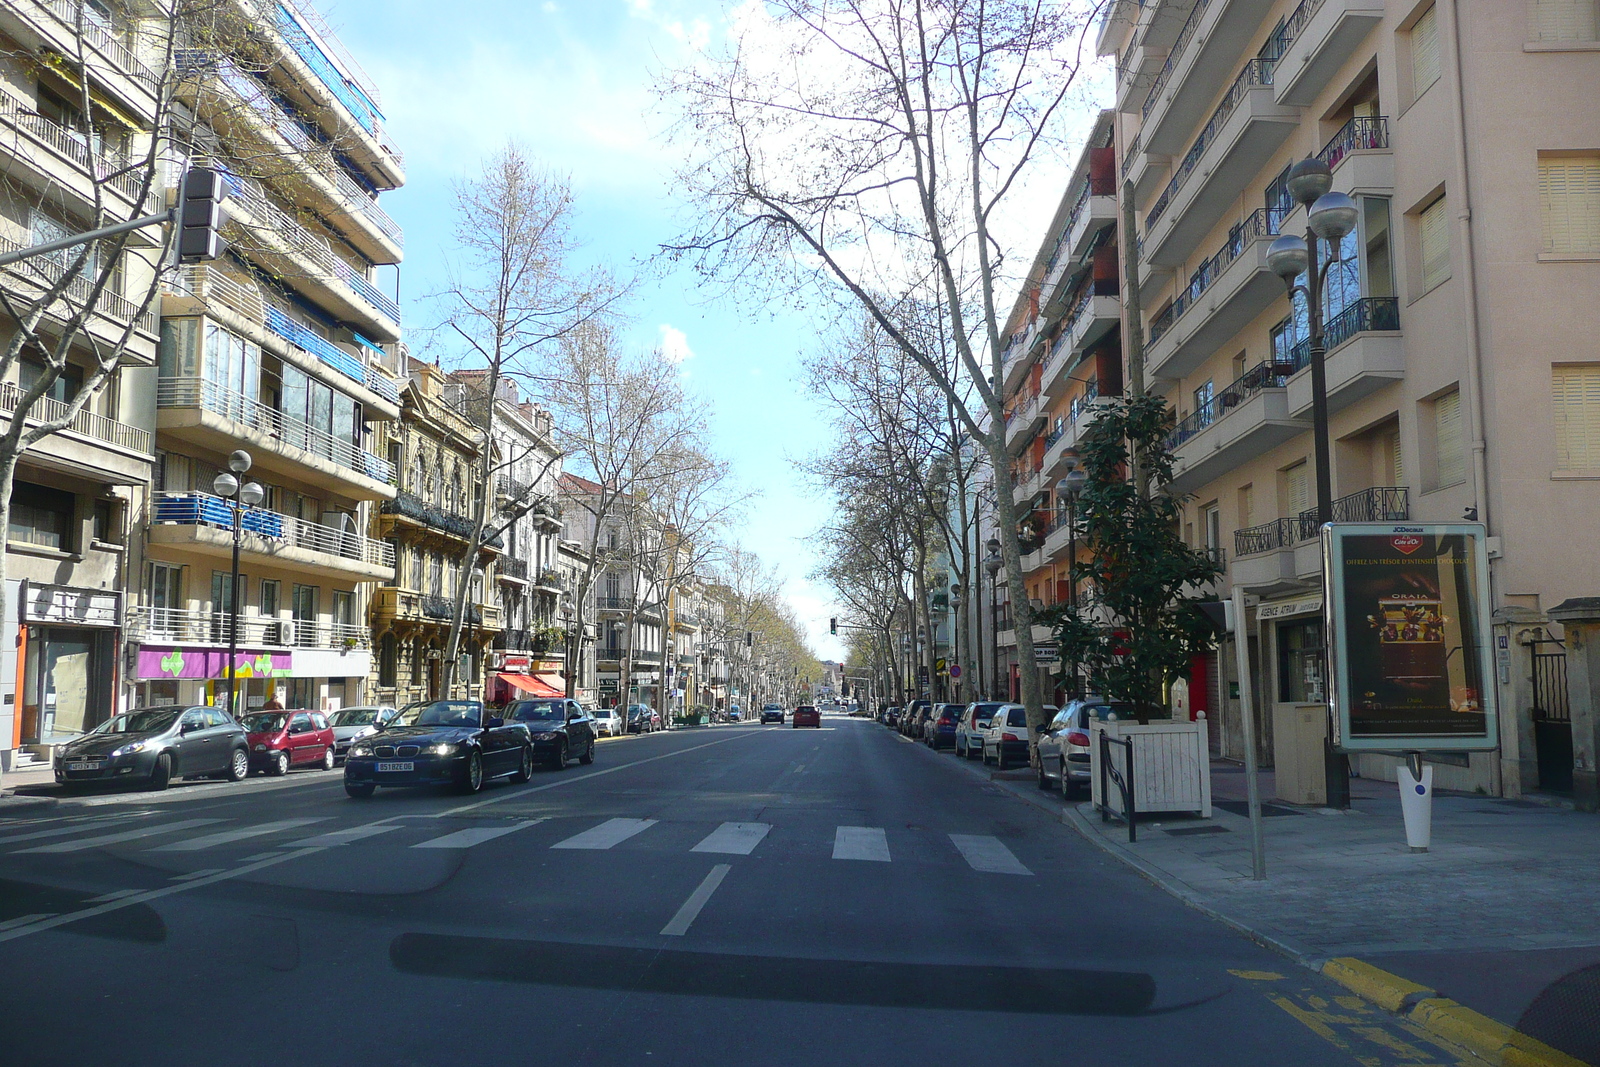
x=43, y=147
x=513, y=569
x=1316, y=39
x=1365, y=354
x=1203, y=57
x=393, y=607
x=1244, y=131
x=411, y=510
x=1285, y=555
x=180, y=626
x=644, y=608
x=687, y=620
x=1080, y=415
x=1224, y=295
x=1026, y=484
x=52, y=26
x=1018, y=356
x=1243, y=420
x=1024, y=420
x=550, y=582
x=204, y=523
x=1095, y=209
x=1136, y=75
x=204, y=413
x=89, y=446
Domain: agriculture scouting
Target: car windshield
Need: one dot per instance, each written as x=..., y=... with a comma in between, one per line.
x=140, y=721
x=264, y=722
x=354, y=717
x=441, y=713
x=538, y=711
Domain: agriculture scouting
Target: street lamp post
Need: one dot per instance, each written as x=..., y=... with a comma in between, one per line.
x=955, y=640
x=1330, y=216
x=993, y=564
x=1068, y=489
x=249, y=494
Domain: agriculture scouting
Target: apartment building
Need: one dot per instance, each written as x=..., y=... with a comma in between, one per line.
x=1463, y=378
x=578, y=667
x=1063, y=354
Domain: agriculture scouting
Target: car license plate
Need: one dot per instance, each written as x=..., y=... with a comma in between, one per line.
x=404, y=765
x=83, y=766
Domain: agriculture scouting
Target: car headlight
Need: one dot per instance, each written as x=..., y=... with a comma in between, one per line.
x=261, y=748
x=130, y=749
x=361, y=750
x=443, y=748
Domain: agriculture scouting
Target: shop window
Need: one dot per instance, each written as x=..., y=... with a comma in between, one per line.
x=1300, y=662
x=1569, y=204
x=43, y=516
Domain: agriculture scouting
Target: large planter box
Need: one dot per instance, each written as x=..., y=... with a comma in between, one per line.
x=1171, y=766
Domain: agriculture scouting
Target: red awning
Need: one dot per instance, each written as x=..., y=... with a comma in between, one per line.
x=536, y=686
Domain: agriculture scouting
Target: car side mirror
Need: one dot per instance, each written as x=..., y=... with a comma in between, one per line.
x=188, y=727
x=493, y=722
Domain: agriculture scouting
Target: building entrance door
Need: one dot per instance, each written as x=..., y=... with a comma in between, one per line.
x=1552, y=718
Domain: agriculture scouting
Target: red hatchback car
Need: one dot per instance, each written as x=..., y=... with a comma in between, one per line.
x=282, y=739
x=806, y=715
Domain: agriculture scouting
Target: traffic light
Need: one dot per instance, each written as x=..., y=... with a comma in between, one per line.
x=833, y=626
x=749, y=639
x=201, y=215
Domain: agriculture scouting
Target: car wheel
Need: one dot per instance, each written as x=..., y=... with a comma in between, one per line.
x=161, y=773
x=472, y=781
x=359, y=790
x=524, y=766
x=1044, y=780
x=999, y=757
x=560, y=760
x=588, y=755
x=239, y=766
x=1066, y=782
x=327, y=758
x=280, y=764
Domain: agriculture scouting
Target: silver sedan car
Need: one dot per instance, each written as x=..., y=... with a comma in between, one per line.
x=359, y=721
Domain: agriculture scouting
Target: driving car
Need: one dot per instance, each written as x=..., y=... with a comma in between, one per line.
x=940, y=731
x=607, y=722
x=280, y=740
x=439, y=742
x=969, y=733
x=734, y=715
x=1065, y=740
x=155, y=745
x=1006, y=736
x=351, y=723
x=806, y=715
x=560, y=729
x=642, y=719
x=772, y=713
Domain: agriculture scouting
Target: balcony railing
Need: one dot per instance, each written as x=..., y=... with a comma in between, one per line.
x=101, y=163
x=43, y=271
x=150, y=625
x=1132, y=155
x=1368, y=314
x=355, y=98
x=1294, y=25
x=1265, y=375
x=203, y=509
x=1080, y=404
x=102, y=40
x=1260, y=223
x=512, y=567
x=1256, y=73
x=415, y=508
x=87, y=423
x=1360, y=133
x=1379, y=504
x=291, y=432
x=1185, y=35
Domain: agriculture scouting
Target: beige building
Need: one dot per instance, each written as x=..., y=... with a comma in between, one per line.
x=1463, y=376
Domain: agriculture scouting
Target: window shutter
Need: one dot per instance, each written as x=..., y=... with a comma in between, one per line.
x=1569, y=203
x=1298, y=481
x=1448, y=439
x=1561, y=20
x=1433, y=235
x=1424, y=52
x=1576, y=392
x=1397, y=466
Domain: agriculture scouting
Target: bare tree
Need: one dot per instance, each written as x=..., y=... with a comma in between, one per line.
x=866, y=148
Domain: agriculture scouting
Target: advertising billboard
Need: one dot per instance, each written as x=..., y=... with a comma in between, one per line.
x=1408, y=622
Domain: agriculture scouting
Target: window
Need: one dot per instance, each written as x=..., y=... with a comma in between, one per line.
x=436, y=577
x=416, y=555
x=222, y=601
x=1433, y=239
x=344, y=608
x=1377, y=247
x=268, y=606
x=1297, y=489
x=65, y=387
x=388, y=659
x=1202, y=404
x=303, y=605
x=165, y=597
x=1300, y=662
x=106, y=528
x=1561, y=20
x=1569, y=204
x=1211, y=526
x=1448, y=441
x=178, y=357
x=1576, y=392
x=1247, y=506
x=1424, y=52
x=42, y=516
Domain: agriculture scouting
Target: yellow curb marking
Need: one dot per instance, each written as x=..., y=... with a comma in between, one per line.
x=1257, y=976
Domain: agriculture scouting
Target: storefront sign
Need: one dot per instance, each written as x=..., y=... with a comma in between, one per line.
x=609, y=685
x=1046, y=652
x=64, y=604
x=157, y=663
x=507, y=661
x=1306, y=605
x=1409, y=620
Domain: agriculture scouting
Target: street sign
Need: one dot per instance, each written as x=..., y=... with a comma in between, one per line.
x=1046, y=652
x=939, y=665
x=955, y=670
x=1408, y=618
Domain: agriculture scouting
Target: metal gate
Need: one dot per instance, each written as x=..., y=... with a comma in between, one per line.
x=1552, y=719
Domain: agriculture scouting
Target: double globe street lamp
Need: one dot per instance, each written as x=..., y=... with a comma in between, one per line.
x=239, y=496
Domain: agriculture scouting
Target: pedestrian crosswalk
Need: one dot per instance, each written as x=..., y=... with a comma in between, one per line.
x=983, y=853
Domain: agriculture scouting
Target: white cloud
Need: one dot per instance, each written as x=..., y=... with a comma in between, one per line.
x=675, y=344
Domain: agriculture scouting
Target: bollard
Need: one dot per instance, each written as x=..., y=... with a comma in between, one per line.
x=1416, y=801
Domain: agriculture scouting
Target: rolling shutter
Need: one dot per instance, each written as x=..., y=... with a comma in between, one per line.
x=1433, y=234
x=1561, y=20
x=1576, y=392
x=1569, y=204
x=1297, y=479
x=1424, y=52
x=1448, y=437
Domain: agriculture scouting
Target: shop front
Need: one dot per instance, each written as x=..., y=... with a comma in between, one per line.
x=324, y=679
x=66, y=646
x=519, y=676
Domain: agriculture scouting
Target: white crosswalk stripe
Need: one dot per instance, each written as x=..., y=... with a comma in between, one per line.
x=477, y=835
x=734, y=838
x=861, y=843
x=82, y=843
x=228, y=837
x=609, y=833
x=64, y=831
x=345, y=837
x=989, y=854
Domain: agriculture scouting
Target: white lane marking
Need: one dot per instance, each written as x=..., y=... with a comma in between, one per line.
x=63, y=831
x=611, y=832
x=344, y=837
x=476, y=835
x=24, y=920
x=861, y=843
x=227, y=837
x=118, y=838
x=987, y=853
x=115, y=895
x=691, y=908
x=207, y=873
x=734, y=838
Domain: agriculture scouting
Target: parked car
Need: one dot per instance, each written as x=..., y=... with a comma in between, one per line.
x=439, y=742
x=940, y=731
x=280, y=740
x=642, y=719
x=891, y=717
x=735, y=715
x=1064, y=744
x=921, y=712
x=1005, y=740
x=352, y=723
x=155, y=745
x=607, y=722
x=772, y=713
x=806, y=715
x=559, y=728
x=975, y=720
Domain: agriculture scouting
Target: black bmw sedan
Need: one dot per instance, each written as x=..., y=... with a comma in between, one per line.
x=560, y=728
x=156, y=745
x=439, y=742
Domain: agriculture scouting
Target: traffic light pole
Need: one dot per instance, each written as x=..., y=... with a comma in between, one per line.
x=169, y=215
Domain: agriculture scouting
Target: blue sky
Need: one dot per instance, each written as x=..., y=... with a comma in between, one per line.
x=570, y=81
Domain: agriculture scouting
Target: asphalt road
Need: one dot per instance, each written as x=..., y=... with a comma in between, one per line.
x=733, y=895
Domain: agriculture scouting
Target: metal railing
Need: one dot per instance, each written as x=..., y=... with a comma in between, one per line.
x=1294, y=25
x=550, y=579
x=205, y=282
x=150, y=625
x=1256, y=73
x=1264, y=375
x=204, y=509
x=98, y=162
x=353, y=97
x=1378, y=504
x=1080, y=404
x=1185, y=35
x=1360, y=133
x=513, y=567
x=1123, y=779
x=414, y=507
x=102, y=40
x=87, y=423
x=1260, y=223
x=289, y=431
x=1364, y=315
x=1132, y=154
